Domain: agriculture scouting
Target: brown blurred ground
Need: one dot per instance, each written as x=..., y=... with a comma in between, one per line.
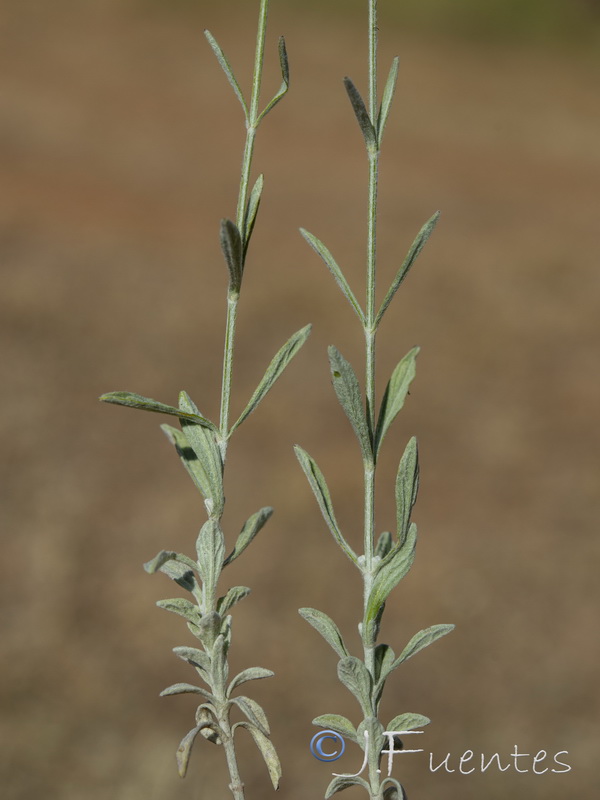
x=119, y=149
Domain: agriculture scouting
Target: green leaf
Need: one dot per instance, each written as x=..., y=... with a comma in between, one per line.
x=252, y=211
x=182, y=607
x=211, y=550
x=253, y=711
x=185, y=748
x=204, y=445
x=407, y=486
x=375, y=730
x=321, y=492
x=233, y=596
x=384, y=658
x=285, y=74
x=348, y=393
x=326, y=627
x=355, y=677
x=337, y=273
x=132, y=400
x=362, y=115
x=384, y=544
x=410, y=259
x=280, y=361
x=342, y=782
x=227, y=70
x=395, y=394
x=390, y=572
x=408, y=722
x=386, y=102
x=422, y=639
x=394, y=791
x=267, y=750
x=185, y=688
x=233, y=251
x=251, y=527
x=337, y=723
x=250, y=674
x=188, y=457
x=197, y=658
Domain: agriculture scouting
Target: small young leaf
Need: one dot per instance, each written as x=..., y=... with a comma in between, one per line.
x=321, y=492
x=386, y=102
x=285, y=74
x=410, y=259
x=211, y=550
x=341, y=782
x=337, y=723
x=332, y=266
x=185, y=688
x=408, y=722
x=185, y=609
x=407, y=486
x=280, y=361
x=203, y=443
x=227, y=70
x=384, y=544
x=132, y=400
x=185, y=748
x=267, y=750
x=347, y=390
x=384, y=658
x=233, y=596
x=251, y=212
x=395, y=395
x=326, y=627
x=253, y=711
x=422, y=639
x=206, y=717
x=251, y=527
x=233, y=251
x=355, y=677
x=362, y=115
x=250, y=674
x=390, y=572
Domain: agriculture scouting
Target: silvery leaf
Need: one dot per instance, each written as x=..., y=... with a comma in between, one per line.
x=394, y=791
x=407, y=486
x=267, y=751
x=227, y=70
x=253, y=711
x=408, y=722
x=326, y=627
x=252, y=211
x=386, y=102
x=210, y=546
x=362, y=115
x=189, y=459
x=219, y=665
x=132, y=400
x=178, y=605
x=341, y=782
x=348, y=393
x=395, y=394
x=204, y=445
x=250, y=674
x=251, y=527
x=390, y=572
x=319, y=486
x=422, y=639
x=337, y=723
x=184, y=750
x=384, y=658
x=280, y=361
x=355, y=677
x=185, y=688
x=197, y=658
x=376, y=739
x=384, y=544
x=233, y=596
x=285, y=74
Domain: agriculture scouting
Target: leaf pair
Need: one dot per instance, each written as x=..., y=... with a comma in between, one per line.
x=372, y=130
x=234, y=242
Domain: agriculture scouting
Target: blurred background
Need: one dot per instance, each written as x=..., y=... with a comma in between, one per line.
x=120, y=145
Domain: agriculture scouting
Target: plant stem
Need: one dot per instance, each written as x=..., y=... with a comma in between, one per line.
x=233, y=297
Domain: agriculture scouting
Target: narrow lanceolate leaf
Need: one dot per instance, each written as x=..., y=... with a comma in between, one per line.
x=233, y=252
x=321, y=492
x=251, y=212
x=132, y=400
x=267, y=750
x=251, y=527
x=204, y=445
x=362, y=115
x=395, y=394
x=384, y=658
x=410, y=259
x=285, y=75
x=188, y=457
x=407, y=487
x=390, y=572
x=253, y=711
x=250, y=674
x=280, y=361
x=386, y=101
x=185, y=688
x=337, y=723
x=341, y=782
x=233, y=596
x=407, y=722
x=355, y=677
x=185, y=749
x=337, y=273
x=326, y=627
x=210, y=546
x=182, y=607
x=219, y=665
x=384, y=544
x=227, y=70
x=422, y=639
x=348, y=393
